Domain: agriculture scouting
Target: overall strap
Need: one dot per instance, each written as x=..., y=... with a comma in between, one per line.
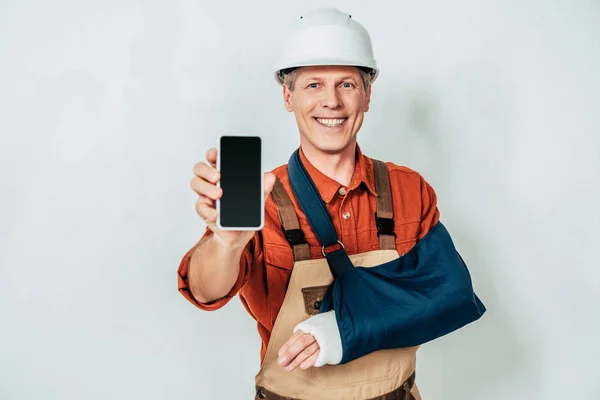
x=384, y=216
x=314, y=208
x=290, y=223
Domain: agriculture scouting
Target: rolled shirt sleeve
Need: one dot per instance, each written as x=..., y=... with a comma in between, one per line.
x=183, y=283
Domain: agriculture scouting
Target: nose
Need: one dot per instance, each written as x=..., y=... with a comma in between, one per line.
x=331, y=98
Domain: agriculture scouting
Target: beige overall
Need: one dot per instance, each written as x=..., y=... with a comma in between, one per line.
x=384, y=374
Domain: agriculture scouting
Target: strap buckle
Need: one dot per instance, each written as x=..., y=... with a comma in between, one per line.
x=338, y=242
x=294, y=236
x=385, y=226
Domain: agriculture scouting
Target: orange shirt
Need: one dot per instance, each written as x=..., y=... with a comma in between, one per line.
x=267, y=261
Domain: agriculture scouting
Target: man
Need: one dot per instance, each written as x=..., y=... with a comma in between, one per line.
x=326, y=72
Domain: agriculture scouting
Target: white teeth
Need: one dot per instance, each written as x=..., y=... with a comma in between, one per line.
x=331, y=121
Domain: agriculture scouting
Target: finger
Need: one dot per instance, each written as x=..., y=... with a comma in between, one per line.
x=284, y=353
x=296, y=348
x=304, y=354
x=206, y=172
x=269, y=182
x=310, y=361
x=290, y=341
x=211, y=157
x=205, y=201
x=206, y=189
x=209, y=202
x=207, y=213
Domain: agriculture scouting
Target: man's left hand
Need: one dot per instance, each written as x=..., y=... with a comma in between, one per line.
x=300, y=350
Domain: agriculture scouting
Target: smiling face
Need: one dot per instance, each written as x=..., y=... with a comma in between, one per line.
x=329, y=103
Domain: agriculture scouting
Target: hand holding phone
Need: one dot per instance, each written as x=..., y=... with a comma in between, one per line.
x=207, y=182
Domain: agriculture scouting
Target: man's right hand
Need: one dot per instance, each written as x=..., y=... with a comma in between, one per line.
x=205, y=184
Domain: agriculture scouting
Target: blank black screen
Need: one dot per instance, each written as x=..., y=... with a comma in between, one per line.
x=241, y=180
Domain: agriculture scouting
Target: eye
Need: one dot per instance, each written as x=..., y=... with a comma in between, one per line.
x=313, y=85
x=348, y=85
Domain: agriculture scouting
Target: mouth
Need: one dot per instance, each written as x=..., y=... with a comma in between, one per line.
x=331, y=122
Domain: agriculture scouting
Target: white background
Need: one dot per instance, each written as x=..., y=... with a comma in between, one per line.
x=106, y=106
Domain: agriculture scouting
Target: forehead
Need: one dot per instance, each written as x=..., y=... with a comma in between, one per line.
x=328, y=72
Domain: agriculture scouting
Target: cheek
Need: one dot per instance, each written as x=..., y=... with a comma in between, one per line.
x=356, y=102
x=307, y=106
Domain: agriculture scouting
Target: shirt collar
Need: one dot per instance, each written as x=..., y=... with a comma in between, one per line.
x=327, y=187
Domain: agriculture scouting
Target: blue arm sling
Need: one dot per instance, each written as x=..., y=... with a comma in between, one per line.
x=418, y=297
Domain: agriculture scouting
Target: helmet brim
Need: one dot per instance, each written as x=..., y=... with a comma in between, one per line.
x=280, y=72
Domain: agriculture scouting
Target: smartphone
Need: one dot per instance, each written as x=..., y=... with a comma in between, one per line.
x=239, y=160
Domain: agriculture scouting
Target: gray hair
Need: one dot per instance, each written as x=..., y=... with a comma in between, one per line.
x=289, y=78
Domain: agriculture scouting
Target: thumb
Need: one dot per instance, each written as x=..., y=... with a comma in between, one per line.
x=269, y=182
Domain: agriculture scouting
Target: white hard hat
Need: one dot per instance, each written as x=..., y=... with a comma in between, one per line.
x=326, y=36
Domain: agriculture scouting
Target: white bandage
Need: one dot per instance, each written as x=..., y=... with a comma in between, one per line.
x=325, y=330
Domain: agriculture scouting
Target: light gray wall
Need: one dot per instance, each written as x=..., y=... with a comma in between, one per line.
x=106, y=106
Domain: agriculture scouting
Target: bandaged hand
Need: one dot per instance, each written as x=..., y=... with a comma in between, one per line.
x=300, y=350
x=315, y=342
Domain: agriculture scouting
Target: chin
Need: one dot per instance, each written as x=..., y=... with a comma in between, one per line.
x=326, y=145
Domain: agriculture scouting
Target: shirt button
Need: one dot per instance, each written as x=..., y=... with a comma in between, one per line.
x=342, y=191
x=346, y=215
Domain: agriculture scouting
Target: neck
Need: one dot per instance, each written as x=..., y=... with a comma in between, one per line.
x=337, y=166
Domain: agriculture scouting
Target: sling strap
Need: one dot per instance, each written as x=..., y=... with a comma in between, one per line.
x=316, y=213
x=310, y=201
x=291, y=226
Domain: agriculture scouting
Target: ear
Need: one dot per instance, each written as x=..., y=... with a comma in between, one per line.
x=287, y=98
x=367, y=99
